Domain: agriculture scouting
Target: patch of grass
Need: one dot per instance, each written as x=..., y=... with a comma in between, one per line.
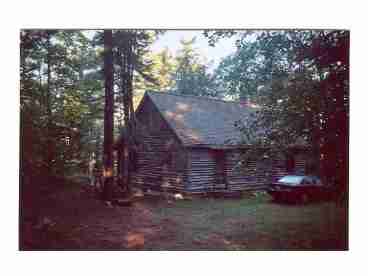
x=254, y=223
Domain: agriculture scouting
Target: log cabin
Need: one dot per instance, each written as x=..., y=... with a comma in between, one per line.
x=189, y=144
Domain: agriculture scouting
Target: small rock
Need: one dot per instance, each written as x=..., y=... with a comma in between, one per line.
x=108, y=203
x=178, y=196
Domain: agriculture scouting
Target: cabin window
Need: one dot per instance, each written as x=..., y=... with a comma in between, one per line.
x=220, y=157
x=181, y=158
x=177, y=160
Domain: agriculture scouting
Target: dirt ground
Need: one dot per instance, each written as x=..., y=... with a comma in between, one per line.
x=72, y=218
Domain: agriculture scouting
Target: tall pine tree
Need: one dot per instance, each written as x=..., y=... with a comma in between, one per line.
x=109, y=115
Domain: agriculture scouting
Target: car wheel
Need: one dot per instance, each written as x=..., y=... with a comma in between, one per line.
x=276, y=198
x=304, y=198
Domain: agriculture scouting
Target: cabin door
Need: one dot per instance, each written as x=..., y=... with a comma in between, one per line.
x=220, y=175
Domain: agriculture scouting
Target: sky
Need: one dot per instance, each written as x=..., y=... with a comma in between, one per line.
x=171, y=39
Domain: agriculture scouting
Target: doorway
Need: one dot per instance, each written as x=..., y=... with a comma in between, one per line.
x=220, y=169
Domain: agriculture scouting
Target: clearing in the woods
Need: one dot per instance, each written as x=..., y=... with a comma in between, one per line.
x=71, y=218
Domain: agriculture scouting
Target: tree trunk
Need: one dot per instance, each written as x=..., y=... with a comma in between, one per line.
x=126, y=63
x=109, y=115
x=49, y=151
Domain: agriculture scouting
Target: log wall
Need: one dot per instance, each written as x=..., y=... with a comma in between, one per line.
x=258, y=175
x=203, y=174
x=161, y=160
x=253, y=177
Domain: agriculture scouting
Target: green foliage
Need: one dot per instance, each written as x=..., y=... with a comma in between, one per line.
x=261, y=57
x=57, y=109
x=185, y=73
x=161, y=69
x=191, y=74
x=215, y=36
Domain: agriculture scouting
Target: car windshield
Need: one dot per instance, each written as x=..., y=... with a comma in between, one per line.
x=291, y=179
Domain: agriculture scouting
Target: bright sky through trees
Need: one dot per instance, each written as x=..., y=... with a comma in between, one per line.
x=171, y=40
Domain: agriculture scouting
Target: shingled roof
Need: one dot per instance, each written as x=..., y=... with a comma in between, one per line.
x=199, y=121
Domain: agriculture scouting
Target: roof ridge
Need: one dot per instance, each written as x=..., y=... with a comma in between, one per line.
x=192, y=96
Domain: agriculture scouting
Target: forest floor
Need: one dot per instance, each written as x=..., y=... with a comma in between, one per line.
x=72, y=218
